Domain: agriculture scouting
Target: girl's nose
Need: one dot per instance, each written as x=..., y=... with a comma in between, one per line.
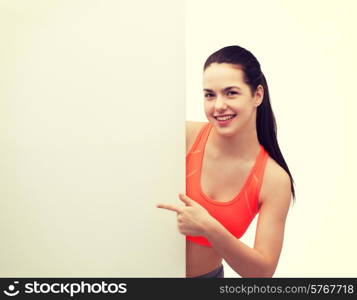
x=220, y=103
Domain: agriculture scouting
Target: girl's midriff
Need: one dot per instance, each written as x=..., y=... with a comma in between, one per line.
x=200, y=259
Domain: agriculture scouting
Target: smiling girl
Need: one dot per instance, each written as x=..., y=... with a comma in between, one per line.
x=234, y=171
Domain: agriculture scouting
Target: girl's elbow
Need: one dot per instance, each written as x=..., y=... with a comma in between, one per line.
x=268, y=272
x=263, y=272
x=258, y=275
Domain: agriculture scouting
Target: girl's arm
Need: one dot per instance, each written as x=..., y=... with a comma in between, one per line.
x=262, y=260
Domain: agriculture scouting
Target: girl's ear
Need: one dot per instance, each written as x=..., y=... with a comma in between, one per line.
x=258, y=95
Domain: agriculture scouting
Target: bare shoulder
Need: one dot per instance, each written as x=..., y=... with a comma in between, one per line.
x=192, y=129
x=276, y=187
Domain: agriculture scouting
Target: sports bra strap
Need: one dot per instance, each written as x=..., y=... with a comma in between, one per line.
x=259, y=171
x=200, y=139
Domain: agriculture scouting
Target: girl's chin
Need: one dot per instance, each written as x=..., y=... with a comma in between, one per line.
x=226, y=131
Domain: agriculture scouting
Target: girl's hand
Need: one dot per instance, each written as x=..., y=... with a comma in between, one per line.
x=192, y=219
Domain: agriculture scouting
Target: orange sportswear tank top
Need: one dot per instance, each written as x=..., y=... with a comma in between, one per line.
x=235, y=215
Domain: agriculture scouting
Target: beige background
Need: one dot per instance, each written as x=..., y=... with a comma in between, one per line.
x=307, y=50
x=91, y=138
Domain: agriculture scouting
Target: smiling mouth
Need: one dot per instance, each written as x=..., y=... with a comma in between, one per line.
x=225, y=117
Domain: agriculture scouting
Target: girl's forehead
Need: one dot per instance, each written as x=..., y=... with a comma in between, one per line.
x=222, y=74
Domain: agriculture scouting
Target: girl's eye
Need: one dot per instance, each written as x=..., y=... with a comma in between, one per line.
x=208, y=95
x=232, y=93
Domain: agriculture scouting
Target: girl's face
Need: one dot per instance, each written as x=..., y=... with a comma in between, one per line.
x=228, y=101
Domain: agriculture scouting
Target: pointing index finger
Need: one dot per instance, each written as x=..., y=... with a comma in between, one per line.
x=169, y=207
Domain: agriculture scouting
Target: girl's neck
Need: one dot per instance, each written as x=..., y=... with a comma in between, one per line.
x=243, y=145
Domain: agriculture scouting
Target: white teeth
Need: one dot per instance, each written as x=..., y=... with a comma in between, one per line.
x=225, y=118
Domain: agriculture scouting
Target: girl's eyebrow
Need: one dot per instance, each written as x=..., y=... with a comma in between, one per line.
x=225, y=89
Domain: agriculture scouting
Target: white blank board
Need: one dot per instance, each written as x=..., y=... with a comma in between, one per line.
x=91, y=138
